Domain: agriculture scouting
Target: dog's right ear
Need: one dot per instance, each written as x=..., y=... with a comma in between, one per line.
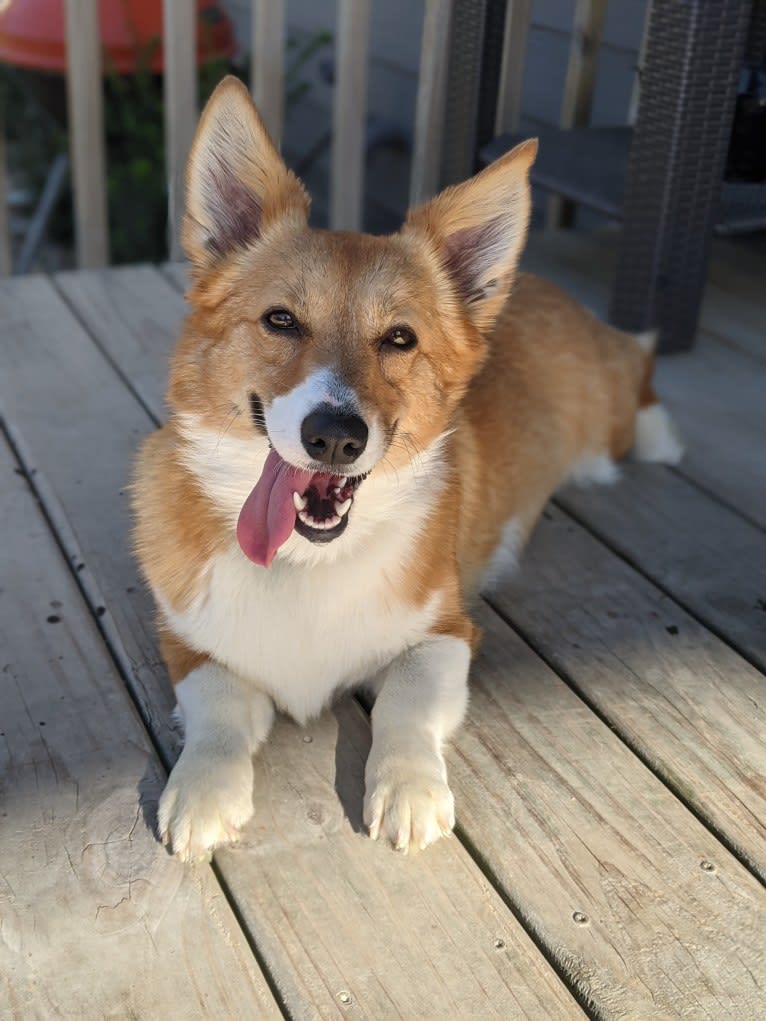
x=236, y=181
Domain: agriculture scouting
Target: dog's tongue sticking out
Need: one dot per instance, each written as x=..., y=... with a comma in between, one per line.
x=268, y=515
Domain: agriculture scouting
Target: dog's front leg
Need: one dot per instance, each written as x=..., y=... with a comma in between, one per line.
x=209, y=794
x=422, y=697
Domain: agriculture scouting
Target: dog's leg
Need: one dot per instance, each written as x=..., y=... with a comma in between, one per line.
x=422, y=697
x=209, y=795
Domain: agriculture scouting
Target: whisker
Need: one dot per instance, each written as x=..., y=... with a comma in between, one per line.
x=232, y=418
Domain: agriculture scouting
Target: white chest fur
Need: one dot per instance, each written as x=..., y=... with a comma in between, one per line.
x=321, y=618
x=302, y=635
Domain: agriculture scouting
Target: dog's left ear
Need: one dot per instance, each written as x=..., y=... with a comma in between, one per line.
x=478, y=229
x=236, y=181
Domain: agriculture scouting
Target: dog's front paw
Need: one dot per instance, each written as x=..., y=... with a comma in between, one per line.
x=408, y=801
x=207, y=799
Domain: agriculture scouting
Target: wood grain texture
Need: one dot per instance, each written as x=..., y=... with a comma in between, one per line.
x=180, y=105
x=690, y=706
x=717, y=398
x=352, y=885
x=349, y=114
x=515, y=33
x=86, y=468
x=83, y=881
x=700, y=552
x=267, y=47
x=85, y=107
x=431, y=101
x=362, y=928
x=603, y=864
x=619, y=842
x=579, y=86
x=136, y=317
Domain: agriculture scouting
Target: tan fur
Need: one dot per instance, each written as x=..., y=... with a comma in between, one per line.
x=177, y=529
x=557, y=384
x=527, y=384
x=178, y=657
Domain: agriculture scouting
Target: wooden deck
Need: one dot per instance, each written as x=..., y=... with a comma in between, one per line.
x=610, y=855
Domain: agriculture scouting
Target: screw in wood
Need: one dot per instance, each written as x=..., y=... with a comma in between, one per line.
x=499, y=944
x=707, y=866
x=345, y=997
x=580, y=918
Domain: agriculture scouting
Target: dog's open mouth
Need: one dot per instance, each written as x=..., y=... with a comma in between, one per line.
x=322, y=510
x=285, y=498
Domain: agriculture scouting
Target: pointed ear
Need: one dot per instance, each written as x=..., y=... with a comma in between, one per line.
x=236, y=181
x=478, y=229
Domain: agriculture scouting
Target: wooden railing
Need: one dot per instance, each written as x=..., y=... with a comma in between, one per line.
x=86, y=134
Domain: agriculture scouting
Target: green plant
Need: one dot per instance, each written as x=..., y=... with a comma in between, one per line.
x=135, y=143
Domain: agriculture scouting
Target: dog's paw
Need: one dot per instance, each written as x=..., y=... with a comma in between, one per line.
x=208, y=798
x=408, y=802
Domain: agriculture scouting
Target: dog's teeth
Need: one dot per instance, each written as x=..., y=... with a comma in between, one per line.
x=299, y=501
x=342, y=508
x=322, y=526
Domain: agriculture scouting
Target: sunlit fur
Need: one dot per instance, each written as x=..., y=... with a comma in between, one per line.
x=502, y=399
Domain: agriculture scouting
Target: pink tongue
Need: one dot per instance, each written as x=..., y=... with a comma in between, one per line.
x=268, y=515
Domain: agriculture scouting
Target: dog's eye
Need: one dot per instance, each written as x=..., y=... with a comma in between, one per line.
x=279, y=319
x=400, y=338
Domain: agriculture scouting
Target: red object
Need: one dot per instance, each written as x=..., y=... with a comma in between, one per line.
x=32, y=33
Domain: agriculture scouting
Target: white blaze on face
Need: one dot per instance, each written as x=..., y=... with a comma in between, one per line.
x=285, y=415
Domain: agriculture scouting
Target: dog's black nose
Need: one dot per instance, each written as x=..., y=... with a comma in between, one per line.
x=333, y=438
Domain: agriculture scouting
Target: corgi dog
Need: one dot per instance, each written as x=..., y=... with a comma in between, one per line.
x=363, y=430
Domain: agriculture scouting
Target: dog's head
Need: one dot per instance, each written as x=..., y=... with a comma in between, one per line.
x=314, y=359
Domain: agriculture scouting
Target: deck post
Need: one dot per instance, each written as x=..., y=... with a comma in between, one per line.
x=85, y=104
x=693, y=58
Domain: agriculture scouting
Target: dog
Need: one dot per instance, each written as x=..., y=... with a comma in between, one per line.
x=363, y=431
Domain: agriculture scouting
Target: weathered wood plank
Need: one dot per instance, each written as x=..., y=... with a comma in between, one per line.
x=700, y=552
x=88, y=898
x=580, y=82
x=85, y=107
x=579, y=86
x=394, y=959
x=714, y=392
x=604, y=866
x=515, y=33
x=717, y=397
x=34, y=317
x=144, y=319
x=431, y=101
x=348, y=116
x=267, y=47
x=688, y=704
x=615, y=840
x=359, y=925
x=180, y=105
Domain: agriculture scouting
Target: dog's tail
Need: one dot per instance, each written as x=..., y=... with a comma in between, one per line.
x=656, y=436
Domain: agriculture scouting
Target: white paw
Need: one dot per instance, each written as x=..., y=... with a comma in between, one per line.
x=408, y=801
x=208, y=798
